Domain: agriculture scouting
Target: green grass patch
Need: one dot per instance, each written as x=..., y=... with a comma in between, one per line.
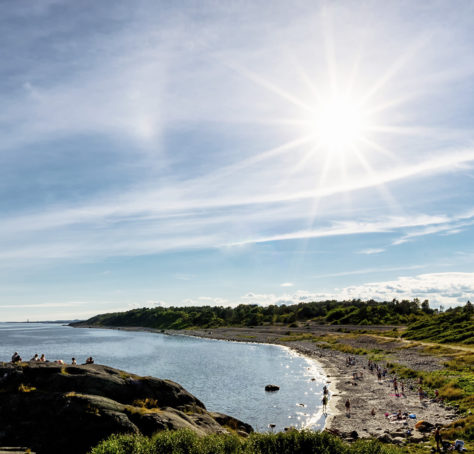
x=291, y=442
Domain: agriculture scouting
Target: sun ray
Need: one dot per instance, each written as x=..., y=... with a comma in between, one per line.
x=397, y=66
x=270, y=86
x=329, y=48
x=381, y=188
x=379, y=148
x=265, y=155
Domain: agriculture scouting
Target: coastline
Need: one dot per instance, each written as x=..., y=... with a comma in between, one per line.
x=365, y=394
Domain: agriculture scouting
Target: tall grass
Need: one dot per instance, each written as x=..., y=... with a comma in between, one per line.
x=187, y=442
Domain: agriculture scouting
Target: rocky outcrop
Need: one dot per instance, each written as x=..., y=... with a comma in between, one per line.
x=55, y=408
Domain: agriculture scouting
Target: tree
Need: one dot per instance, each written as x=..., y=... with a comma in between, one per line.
x=468, y=308
x=425, y=307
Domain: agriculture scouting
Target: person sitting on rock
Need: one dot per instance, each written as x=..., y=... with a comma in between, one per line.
x=74, y=362
x=35, y=358
x=89, y=360
x=43, y=358
x=16, y=358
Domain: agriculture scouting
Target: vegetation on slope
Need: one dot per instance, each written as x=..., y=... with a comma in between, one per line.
x=332, y=312
x=454, y=325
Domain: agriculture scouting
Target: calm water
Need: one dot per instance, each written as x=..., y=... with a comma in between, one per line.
x=228, y=377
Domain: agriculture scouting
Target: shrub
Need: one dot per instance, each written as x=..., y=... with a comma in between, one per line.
x=187, y=442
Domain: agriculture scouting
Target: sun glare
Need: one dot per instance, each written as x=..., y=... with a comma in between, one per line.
x=338, y=124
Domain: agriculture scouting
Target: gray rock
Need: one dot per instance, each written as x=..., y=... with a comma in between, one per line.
x=398, y=440
x=385, y=438
x=56, y=409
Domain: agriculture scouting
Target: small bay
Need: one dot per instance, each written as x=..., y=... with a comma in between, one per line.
x=229, y=377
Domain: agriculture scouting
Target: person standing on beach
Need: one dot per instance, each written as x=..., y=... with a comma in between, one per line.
x=348, y=408
x=421, y=393
x=325, y=402
x=438, y=440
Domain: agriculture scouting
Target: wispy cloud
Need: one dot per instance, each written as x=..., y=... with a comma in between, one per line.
x=69, y=304
x=148, y=129
x=371, y=251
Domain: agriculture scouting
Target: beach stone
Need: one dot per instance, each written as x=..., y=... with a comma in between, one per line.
x=424, y=426
x=416, y=437
x=385, y=438
x=398, y=440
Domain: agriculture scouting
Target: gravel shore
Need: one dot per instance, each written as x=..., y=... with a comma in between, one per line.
x=365, y=393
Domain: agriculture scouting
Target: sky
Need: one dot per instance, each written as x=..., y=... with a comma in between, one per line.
x=157, y=153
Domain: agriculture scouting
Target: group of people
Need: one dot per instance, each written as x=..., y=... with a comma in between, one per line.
x=16, y=358
x=36, y=358
x=350, y=361
x=325, y=399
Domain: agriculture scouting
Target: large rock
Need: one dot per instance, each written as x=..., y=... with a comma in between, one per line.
x=55, y=408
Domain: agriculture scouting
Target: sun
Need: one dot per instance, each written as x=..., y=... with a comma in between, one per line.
x=338, y=124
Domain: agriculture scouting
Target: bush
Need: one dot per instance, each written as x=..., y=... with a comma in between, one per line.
x=187, y=442
x=125, y=444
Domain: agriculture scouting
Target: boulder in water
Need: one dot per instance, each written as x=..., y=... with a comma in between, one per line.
x=272, y=388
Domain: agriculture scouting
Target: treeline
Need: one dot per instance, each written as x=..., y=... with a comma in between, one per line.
x=456, y=325
x=354, y=312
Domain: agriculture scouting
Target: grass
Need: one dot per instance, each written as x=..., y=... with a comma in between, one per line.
x=25, y=388
x=145, y=403
x=134, y=410
x=291, y=442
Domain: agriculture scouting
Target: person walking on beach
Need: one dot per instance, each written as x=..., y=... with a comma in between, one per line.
x=348, y=408
x=325, y=402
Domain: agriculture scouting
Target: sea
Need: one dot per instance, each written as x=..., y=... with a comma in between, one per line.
x=228, y=377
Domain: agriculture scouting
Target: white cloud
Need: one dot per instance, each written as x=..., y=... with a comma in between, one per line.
x=447, y=289
x=287, y=284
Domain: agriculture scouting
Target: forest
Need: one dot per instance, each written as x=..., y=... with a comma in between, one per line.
x=452, y=325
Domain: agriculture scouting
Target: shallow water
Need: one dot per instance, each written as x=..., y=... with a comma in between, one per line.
x=228, y=377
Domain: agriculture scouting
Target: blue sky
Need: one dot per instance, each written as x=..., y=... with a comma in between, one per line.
x=177, y=153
